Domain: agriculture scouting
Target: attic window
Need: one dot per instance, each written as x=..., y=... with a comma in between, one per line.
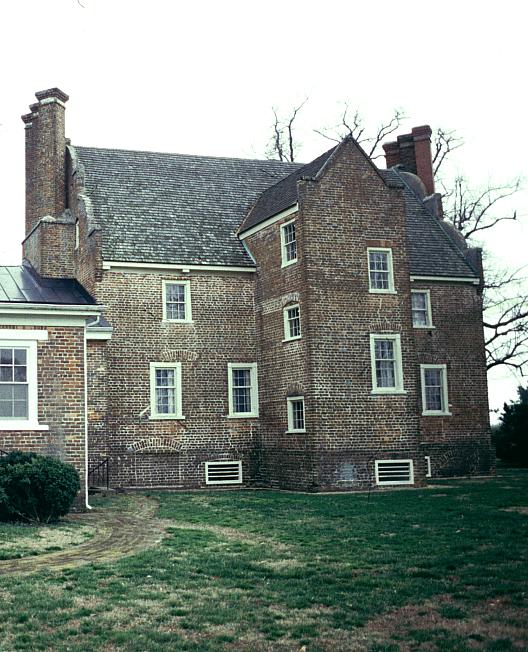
x=288, y=243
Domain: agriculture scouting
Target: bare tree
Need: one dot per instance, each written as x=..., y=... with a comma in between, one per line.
x=282, y=144
x=354, y=126
x=444, y=142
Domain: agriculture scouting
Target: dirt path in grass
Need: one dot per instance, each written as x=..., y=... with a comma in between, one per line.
x=121, y=529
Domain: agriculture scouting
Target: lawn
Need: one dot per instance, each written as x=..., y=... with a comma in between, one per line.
x=442, y=568
x=18, y=541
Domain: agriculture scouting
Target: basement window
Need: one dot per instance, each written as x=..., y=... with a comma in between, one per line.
x=223, y=472
x=393, y=472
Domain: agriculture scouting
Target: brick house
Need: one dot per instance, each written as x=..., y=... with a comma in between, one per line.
x=310, y=327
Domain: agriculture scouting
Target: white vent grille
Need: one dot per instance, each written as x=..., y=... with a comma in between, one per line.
x=394, y=472
x=223, y=472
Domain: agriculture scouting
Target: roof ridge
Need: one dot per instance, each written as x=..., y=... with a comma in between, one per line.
x=195, y=156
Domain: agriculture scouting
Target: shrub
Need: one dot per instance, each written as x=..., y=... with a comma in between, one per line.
x=511, y=436
x=36, y=487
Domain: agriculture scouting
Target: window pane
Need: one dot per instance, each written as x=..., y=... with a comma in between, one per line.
x=297, y=408
x=20, y=392
x=6, y=356
x=20, y=375
x=419, y=300
x=20, y=410
x=241, y=377
x=6, y=409
x=20, y=357
x=175, y=301
x=6, y=374
x=165, y=377
x=165, y=400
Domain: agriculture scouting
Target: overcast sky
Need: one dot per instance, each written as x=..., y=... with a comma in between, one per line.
x=201, y=77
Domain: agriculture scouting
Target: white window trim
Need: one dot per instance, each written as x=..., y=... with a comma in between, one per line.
x=287, y=337
x=187, y=296
x=382, y=483
x=428, y=472
x=399, y=366
x=15, y=341
x=390, y=289
x=429, y=315
x=284, y=262
x=252, y=366
x=289, y=402
x=154, y=415
x=435, y=413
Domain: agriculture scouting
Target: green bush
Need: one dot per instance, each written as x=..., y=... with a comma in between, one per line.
x=36, y=487
x=511, y=436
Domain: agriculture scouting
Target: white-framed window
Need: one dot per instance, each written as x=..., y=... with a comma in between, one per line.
x=177, y=301
x=421, y=308
x=381, y=277
x=295, y=406
x=292, y=322
x=434, y=389
x=288, y=243
x=165, y=390
x=19, y=379
x=386, y=364
x=242, y=384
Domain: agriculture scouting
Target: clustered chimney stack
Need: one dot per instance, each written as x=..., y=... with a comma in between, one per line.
x=45, y=157
x=413, y=152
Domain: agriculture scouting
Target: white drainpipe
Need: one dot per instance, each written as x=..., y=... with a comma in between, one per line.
x=88, y=506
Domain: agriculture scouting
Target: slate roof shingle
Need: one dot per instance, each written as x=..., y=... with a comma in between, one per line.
x=21, y=284
x=174, y=208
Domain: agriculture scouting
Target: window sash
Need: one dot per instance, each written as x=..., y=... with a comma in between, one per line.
x=380, y=270
x=420, y=305
x=289, y=243
x=292, y=322
x=165, y=390
x=242, y=390
x=434, y=389
x=386, y=364
x=14, y=384
x=296, y=416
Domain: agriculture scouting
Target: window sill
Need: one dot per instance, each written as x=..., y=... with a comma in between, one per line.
x=178, y=321
x=288, y=263
x=294, y=432
x=437, y=414
x=22, y=425
x=425, y=328
x=292, y=339
x=166, y=417
x=371, y=291
x=242, y=416
x=396, y=392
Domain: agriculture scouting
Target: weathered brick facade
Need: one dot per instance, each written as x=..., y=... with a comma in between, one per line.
x=341, y=207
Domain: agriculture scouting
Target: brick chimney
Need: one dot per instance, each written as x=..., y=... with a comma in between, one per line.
x=413, y=152
x=46, y=186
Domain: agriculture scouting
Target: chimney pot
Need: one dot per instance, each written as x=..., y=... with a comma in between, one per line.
x=52, y=93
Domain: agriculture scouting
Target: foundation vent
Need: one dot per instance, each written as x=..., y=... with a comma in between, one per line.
x=394, y=472
x=223, y=472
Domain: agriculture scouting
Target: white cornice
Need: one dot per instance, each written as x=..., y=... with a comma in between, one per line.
x=50, y=309
x=120, y=266
x=448, y=279
x=271, y=220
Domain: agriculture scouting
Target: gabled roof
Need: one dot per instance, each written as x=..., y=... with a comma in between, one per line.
x=283, y=194
x=21, y=284
x=174, y=208
x=432, y=251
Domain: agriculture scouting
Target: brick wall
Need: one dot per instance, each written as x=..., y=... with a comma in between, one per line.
x=60, y=367
x=458, y=444
x=149, y=452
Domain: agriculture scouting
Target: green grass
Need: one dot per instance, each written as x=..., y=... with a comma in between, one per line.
x=18, y=540
x=436, y=569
